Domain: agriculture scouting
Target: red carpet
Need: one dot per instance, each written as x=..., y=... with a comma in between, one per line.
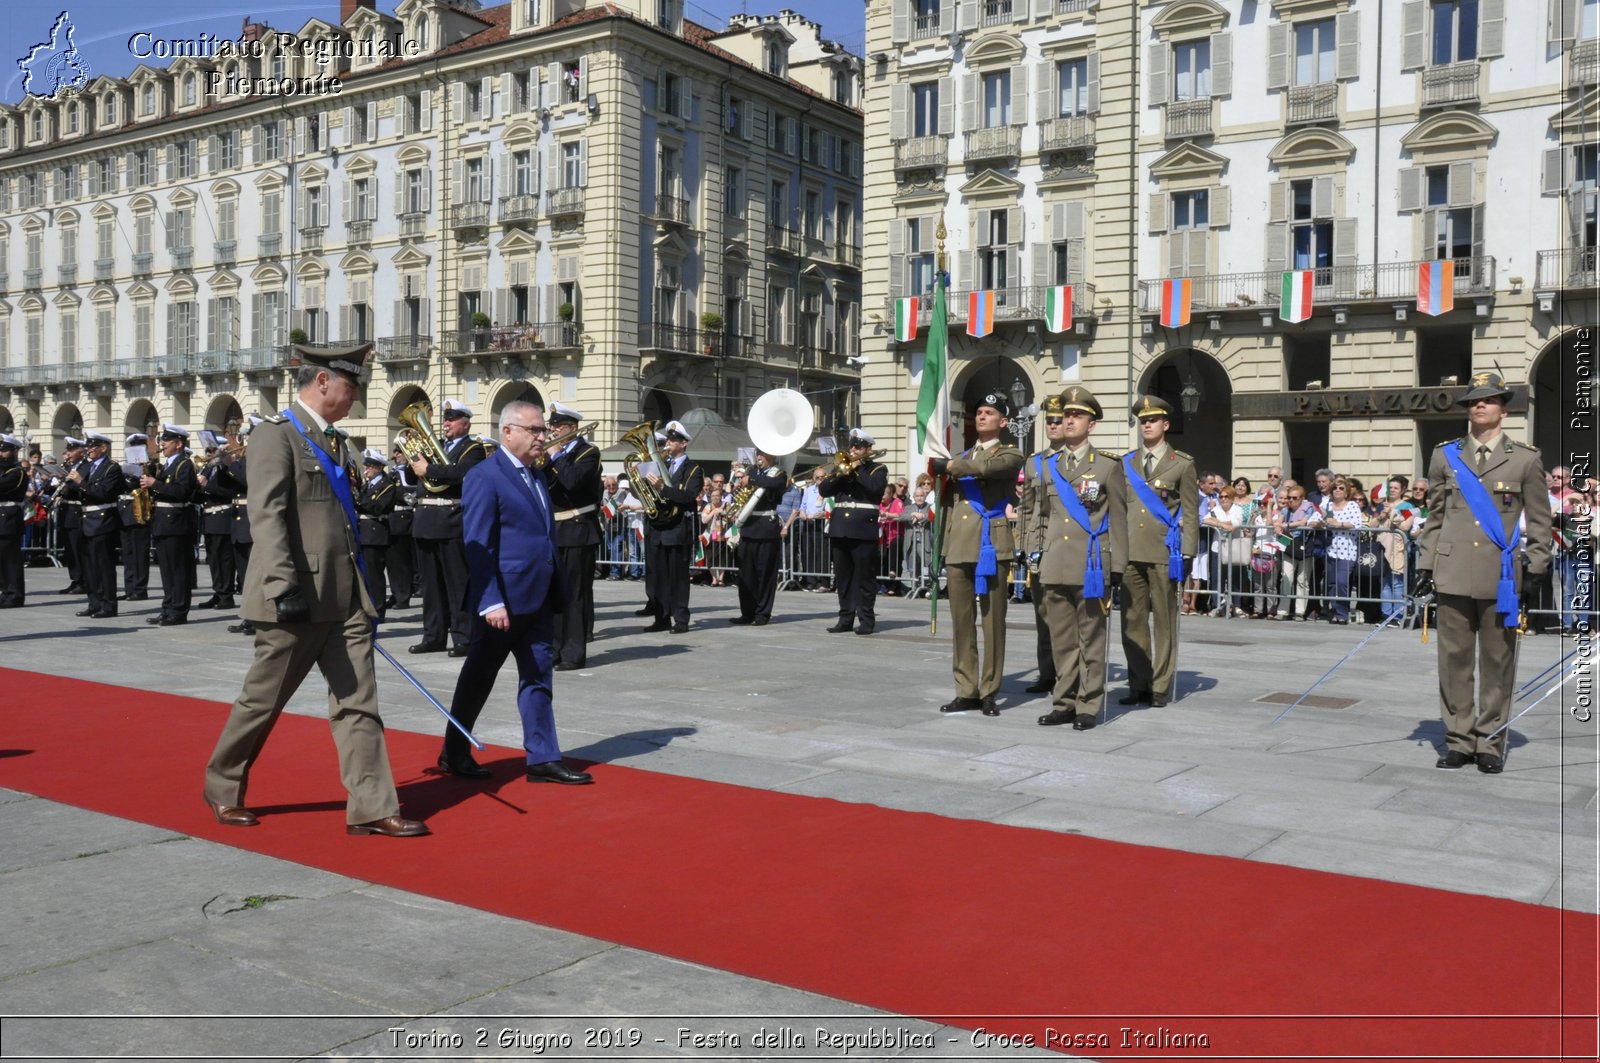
x=912, y=913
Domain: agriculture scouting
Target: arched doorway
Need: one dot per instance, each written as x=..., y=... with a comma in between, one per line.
x=8, y=424
x=656, y=407
x=511, y=391
x=1562, y=396
x=1201, y=396
x=68, y=421
x=142, y=417
x=994, y=374
x=223, y=415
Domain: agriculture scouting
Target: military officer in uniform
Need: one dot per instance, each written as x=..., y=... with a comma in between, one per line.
x=438, y=535
x=758, y=551
x=216, y=525
x=69, y=519
x=1077, y=538
x=1033, y=495
x=572, y=476
x=1483, y=484
x=1163, y=527
x=172, y=525
x=304, y=593
x=13, y=492
x=977, y=547
x=96, y=483
x=856, y=487
x=679, y=485
x=402, y=557
x=135, y=535
x=374, y=503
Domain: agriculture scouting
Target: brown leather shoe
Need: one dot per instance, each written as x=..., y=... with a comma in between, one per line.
x=390, y=827
x=229, y=816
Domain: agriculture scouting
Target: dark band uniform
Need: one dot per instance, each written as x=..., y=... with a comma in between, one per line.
x=673, y=539
x=758, y=551
x=216, y=524
x=102, y=482
x=853, y=537
x=375, y=501
x=438, y=534
x=402, y=558
x=172, y=526
x=69, y=520
x=135, y=536
x=572, y=476
x=13, y=495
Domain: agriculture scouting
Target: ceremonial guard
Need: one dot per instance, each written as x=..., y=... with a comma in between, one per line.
x=69, y=518
x=1033, y=491
x=1163, y=527
x=172, y=525
x=1487, y=500
x=374, y=504
x=235, y=474
x=13, y=493
x=402, y=556
x=978, y=545
x=1077, y=538
x=572, y=476
x=216, y=525
x=437, y=531
x=96, y=483
x=679, y=484
x=135, y=517
x=855, y=483
x=759, y=549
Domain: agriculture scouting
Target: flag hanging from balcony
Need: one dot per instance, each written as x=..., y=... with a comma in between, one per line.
x=1175, y=302
x=1295, y=306
x=1058, y=308
x=1436, y=287
x=905, y=319
x=980, y=313
x=933, y=395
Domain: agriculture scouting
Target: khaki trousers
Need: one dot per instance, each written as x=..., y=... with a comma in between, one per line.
x=342, y=651
x=1468, y=628
x=1078, y=642
x=965, y=611
x=1148, y=596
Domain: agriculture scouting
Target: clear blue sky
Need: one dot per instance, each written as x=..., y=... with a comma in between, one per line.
x=104, y=26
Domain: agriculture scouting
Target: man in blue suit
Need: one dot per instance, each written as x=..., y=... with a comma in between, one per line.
x=515, y=591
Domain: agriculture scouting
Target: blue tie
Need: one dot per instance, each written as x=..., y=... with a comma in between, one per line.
x=538, y=500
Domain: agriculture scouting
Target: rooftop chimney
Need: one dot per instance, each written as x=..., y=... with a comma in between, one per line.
x=349, y=7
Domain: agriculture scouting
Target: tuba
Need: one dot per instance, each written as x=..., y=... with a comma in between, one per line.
x=780, y=423
x=416, y=440
x=642, y=438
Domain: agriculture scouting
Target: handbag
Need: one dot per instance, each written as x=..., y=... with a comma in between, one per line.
x=1237, y=548
x=1262, y=563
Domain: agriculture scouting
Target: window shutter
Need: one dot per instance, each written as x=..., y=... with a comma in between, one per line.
x=400, y=325
x=213, y=341
x=583, y=76
x=1041, y=8
x=425, y=316
x=968, y=16
x=1555, y=179
x=1019, y=95
x=805, y=142
x=897, y=238
x=1413, y=35
x=372, y=120
x=347, y=190
x=970, y=98
x=583, y=163
x=1093, y=93
x=1347, y=34
x=1199, y=260
x=1344, y=242
x=1322, y=198
x=371, y=212
x=300, y=135
x=458, y=182
x=1039, y=263
x=256, y=337
x=1220, y=203
x=502, y=306
x=1014, y=226
x=1277, y=248
x=1058, y=222
x=257, y=143
x=1562, y=20
x=349, y=125
x=1578, y=205
x=213, y=154
x=324, y=208
x=486, y=98
x=1156, y=58
x=345, y=331
x=427, y=191
x=172, y=327
x=172, y=230
x=458, y=103
x=1410, y=189
x=1278, y=55
x=965, y=275
x=1178, y=252
x=978, y=227
x=746, y=322
x=1075, y=220
x=947, y=17
x=1477, y=238
x=1461, y=183
x=1278, y=201
x=900, y=22
x=1046, y=88
x=1158, y=212
x=427, y=110
x=791, y=131
x=400, y=196
x=947, y=105
x=172, y=166
x=900, y=109
x=1491, y=29
x=686, y=98
x=550, y=90
x=747, y=120
x=1221, y=64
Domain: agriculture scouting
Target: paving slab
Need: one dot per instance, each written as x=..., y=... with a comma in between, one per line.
x=1084, y=762
x=43, y=832
x=1309, y=816
x=1493, y=876
x=1553, y=849
x=962, y=771
x=1249, y=760
x=1180, y=794
x=909, y=795
x=1186, y=833
x=1364, y=794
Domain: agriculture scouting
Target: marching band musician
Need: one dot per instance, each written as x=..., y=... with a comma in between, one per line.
x=402, y=557
x=438, y=535
x=572, y=476
x=374, y=502
x=679, y=484
x=978, y=545
x=1162, y=534
x=172, y=525
x=234, y=474
x=652, y=578
x=96, y=483
x=1033, y=495
x=757, y=552
x=135, y=536
x=1076, y=535
x=13, y=490
x=216, y=525
x=69, y=518
x=853, y=532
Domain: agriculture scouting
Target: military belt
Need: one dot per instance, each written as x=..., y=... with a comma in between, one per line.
x=93, y=509
x=172, y=505
x=856, y=505
x=569, y=514
x=438, y=501
x=219, y=508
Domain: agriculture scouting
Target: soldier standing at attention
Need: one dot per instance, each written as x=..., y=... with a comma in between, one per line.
x=978, y=544
x=1484, y=484
x=1162, y=532
x=13, y=492
x=1034, y=492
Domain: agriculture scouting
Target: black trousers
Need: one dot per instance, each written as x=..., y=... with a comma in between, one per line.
x=855, y=578
x=136, y=559
x=375, y=560
x=98, y=568
x=13, y=587
x=758, y=577
x=241, y=561
x=72, y=549
x=444, y=591
x=671, y=565
x=577, y=578
x=175, y=559
x=219, y=559
x=1041, y=628
x=652, y=574
x=402, y=568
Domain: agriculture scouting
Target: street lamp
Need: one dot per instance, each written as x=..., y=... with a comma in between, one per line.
x=1023, y=417
x=1190, y=397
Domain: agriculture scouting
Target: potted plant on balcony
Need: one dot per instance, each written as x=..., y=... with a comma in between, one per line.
x=566, y=311
x=296, y=336
x=480, y=331
x=710, y=324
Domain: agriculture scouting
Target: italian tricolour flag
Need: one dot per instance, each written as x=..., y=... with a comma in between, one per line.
x=905, y=319
x=1295, y=306
x=1058, y=308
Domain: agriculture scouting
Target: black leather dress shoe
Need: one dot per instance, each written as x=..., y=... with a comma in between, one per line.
x=563, y=666
x=646, y=611
x=865, y=630
x=463, y=767
x=1158, y=700
x=172, y=621
x=210, y=603
x=961, y=705
x=1041, y=687
x=759, y=621
x=153, y=620
x=989, y=707
x=72, y=588
x=1083, y=723
x=457, y=651
x=426, y=647
x=1490, y=764
x=1135, y=697
x=1453, y=759
x=104, y=614
x=390, y=827
x=227, y=602
x=86, y=612
x=1057, y=717
x=244, y=627
x=680, y=629
x=555, y=771
x=138, y=597
x=659, y=625
x=842, y=625
x=402, y=605
x=741, y=620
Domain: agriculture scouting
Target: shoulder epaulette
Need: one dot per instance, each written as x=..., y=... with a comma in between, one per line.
x=276, y=418
x=1180, y=454
x=1526, y=446
x=1110, y=455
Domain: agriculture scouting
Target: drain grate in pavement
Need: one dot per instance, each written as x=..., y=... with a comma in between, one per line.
x=1315, y=701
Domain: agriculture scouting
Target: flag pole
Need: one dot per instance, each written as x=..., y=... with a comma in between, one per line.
x=938, y=324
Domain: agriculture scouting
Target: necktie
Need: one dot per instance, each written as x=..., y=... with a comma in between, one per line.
x=1149, y=464
x=1483, y=456
x=1072, y=463
x=538, y=500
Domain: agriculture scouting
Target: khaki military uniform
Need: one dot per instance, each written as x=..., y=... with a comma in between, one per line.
x=1466, y=573
x=1077, y=624
x=1033, y=495
x=1149, y=597
x=996, y=467
x=304, y=540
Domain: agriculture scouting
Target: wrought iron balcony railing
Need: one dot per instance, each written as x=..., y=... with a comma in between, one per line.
x=1451, y=85
x=413, y=225
x=358, y=233
x=1387, y=282
x=405, y=348
x=104, y=268
x=671, y=208
x=182, y=258
x=925, y=26
x=1568, y=267
x=1308, y=104
x=564, y=201
x=1584, y=64
x=783, y=239
x=679, y=339
x=519, y=209
x=213, y=363
x=311, y=239
x=996, y=12
x=525, y=338
x=67, y=276
x=847, y=254
x=993, y=142
x=921, y=152
x=1010, y=304
x=1066, y=134
x=1188, y=118
x=269, y=246
x=469, y=216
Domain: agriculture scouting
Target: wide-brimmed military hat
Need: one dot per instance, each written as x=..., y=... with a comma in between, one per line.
x=1078, y=397
x=1151, y=406
x=1485, y=386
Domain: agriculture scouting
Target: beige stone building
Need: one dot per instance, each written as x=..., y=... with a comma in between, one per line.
x=608, y=205
x=1121, y=144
